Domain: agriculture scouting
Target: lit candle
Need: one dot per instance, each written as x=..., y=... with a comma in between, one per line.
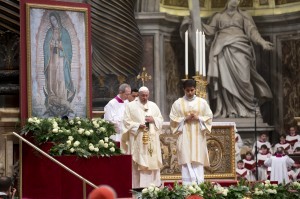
x=204, y=67
x=197, y=52
x=186, y=53
x=201, y=52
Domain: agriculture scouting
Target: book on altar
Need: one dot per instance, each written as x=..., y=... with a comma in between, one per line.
x=241, y=172
x=250, y=165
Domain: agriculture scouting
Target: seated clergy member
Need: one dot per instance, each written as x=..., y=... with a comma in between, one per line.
x=143, y=116
x=191, y=117
x=293, y=137
x=279, y=164
x=114, y=110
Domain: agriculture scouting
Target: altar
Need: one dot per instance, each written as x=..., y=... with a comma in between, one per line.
x=43, y=179
x=221, y=150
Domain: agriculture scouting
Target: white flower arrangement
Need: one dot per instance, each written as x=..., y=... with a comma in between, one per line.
x=78, y=136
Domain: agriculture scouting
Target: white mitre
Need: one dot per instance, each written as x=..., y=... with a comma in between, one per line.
x=144, y=89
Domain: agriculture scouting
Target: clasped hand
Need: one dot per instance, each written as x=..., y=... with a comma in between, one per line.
x=191, y=117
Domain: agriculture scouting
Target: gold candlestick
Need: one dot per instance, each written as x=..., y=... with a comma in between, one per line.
x=201, y=84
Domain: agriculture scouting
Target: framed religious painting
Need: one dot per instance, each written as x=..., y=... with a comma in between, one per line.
x=56, y=59
x=221, y=152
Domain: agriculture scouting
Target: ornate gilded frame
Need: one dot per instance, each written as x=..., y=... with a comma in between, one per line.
x=35, y=22
x=221, y=147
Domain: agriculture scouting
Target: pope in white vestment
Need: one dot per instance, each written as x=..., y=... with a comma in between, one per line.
x=191, y=117
x=147, y=158
x=114, y=110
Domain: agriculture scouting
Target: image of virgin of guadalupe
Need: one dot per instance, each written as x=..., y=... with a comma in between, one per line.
x=59, y=89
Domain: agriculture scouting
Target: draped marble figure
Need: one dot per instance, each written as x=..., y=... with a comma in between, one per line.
x=233, y=80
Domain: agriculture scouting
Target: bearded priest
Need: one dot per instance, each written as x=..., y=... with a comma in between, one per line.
x=191, y=118
x=142, y=126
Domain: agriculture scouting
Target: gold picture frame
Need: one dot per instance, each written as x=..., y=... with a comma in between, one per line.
x=221, y=148
x=57, y=62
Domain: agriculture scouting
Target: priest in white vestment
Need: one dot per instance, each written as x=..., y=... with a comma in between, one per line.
x=191, y=117
x=141, y=116
x=114, y=110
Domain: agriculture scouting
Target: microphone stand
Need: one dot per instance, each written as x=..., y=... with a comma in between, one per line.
x=255, y=133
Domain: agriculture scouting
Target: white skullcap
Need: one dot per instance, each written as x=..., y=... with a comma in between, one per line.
x=143, y=89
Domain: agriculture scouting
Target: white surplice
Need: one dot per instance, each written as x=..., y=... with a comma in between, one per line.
x=259, y=144
x=279, y=168
x=191, y=144
x=114, y=113
x=147, y=158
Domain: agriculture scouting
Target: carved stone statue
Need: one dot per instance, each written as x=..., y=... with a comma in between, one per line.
x=233, y=80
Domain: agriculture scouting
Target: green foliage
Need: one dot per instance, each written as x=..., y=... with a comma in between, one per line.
x=78, y=136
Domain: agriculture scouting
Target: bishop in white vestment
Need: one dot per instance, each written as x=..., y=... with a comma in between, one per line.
x=191, y=117
x=114, y=110
x=147, y=158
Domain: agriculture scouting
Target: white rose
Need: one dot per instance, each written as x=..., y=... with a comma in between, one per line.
x=71, y=122
x=156, y=189
x=80, y=130
x=30, y=120
x=96, y=125
x=267, y=182
x=102, y=129
x=55, y=130
x=112, y=149
x=145, y=190
x=106, y=139
x=96, y=149
x=76, y=143
x=150, y=189
x=72, y=150
x=91, y=131
x=101, y=142
x=55, y=125
x=87, y=133
x=69, y=142
x=77, y=118
x=111, y=144
x=70, y=138
x=79, y=122
x=91, y=147
x=105, y=145
x=38, y=121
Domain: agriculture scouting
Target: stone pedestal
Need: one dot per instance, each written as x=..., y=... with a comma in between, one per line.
x=9, y=120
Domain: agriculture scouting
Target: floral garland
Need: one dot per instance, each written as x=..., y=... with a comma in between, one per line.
x=79, y=136
x=209, y=190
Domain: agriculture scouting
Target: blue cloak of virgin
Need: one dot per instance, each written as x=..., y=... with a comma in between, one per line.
x=66, y=53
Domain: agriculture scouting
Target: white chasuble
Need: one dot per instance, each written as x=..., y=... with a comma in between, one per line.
x=147, y=156
x=191, y=143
